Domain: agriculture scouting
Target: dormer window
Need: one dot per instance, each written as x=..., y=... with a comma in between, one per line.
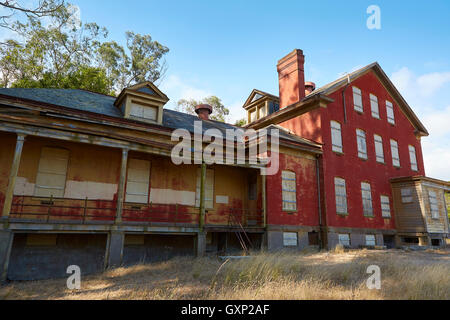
x=260, y=104
x=142, y=102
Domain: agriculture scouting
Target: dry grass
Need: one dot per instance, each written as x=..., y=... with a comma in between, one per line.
x=308, y=275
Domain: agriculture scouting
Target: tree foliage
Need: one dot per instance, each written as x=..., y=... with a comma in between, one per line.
x=219, y=110
x=67, y=53
x=241, y=122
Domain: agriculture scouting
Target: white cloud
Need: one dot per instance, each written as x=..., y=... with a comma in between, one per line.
x=427, y=94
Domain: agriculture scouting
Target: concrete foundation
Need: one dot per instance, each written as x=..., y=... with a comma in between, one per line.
x=358, y=238
x=275, y=240
x=156, y=247
x=44, y=256
x=200, y=244
x=114, y=252
x=6, y=240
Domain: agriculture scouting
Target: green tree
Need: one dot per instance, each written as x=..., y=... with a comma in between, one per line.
x=241, y=122
x=219, y=110
x=67, y=53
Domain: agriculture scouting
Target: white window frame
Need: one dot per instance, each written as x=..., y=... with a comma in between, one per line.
x=371, y=240
x=413, y=157
x=336, y=136
x=379, y=151
x=434, y=205
x=407, y=195
x=289, y=190
x=395, y=153
x=374, y=106
x=253, y=115
x=340, y=190
x=138, y=175
x=290, y=239
x=390, y=112
x=51, y=178
x=361, y=143
x=344, y=239
x=366, y=197
x=385, y=206
x=357, y=99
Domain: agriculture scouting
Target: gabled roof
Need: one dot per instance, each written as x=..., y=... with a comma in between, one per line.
x=390, y=87
x=256, y=95
x=145, y=88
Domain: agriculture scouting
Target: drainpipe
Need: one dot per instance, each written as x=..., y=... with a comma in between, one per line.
x=319, y=201
x=264, y=200
x=343, y=98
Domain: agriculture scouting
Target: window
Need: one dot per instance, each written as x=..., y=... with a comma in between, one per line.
x=253, y=115
x=341, y=195
x=433, y=204
x=288, y=185
x=357, y=99
x=361, y=141
x=367, y=199
x=344, y=239
x=138, y=179
x=385, y=207
x=52, y=171
x=394, y=152
x=379, y=148
x=209, y=188
x=262, y=111
x=336, y=136
x=412, y=158
x=390, y=112
x=252, y=187
x=371, y=240
x=290, y=239
x=374, y=106
x=144, y=112
x=407, y=195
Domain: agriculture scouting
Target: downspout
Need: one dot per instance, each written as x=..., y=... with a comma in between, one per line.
x=202, y=208
x=319, y=197
x=343, y=98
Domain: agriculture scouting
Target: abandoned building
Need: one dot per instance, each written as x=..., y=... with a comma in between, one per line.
x=87, y=179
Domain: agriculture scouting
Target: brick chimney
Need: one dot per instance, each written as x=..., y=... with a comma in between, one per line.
x=203, y=111
x=291, y=77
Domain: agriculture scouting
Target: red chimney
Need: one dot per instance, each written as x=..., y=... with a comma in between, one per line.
x=203, y=111
x=309, y=87
x=291, y=77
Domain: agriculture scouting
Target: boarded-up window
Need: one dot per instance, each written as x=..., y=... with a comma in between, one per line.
x=143, y=111
x=344, y=239
x=413, y=158
x=289, y=190
x=341, y=195
x=371, y=240
x=362, y=146
x=290, y=239
x=374, y=106
x=434, y=208
x=138, y=181
x=379, y=148
x=52, y=171
x=253, y=115
x=390, y=112
x=385, y=207
x=336, y=136
x=262, y=111
x=209, y=188
x=406, y=195
x=367, y=199
x=394, y=152
x=357, y=99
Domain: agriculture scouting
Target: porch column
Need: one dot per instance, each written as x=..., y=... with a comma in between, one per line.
x=202, y=197
x=121, y=187
x=13, y=175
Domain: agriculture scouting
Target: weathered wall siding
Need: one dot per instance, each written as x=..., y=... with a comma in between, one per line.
x=409, y=216
x=92, y=171
x=7, y=145
x=232, y=182
x=307, y=198
x=435, y=225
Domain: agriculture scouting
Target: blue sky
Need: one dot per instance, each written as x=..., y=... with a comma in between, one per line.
x=227, y=48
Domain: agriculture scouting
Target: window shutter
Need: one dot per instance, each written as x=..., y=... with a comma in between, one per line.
x=361, y=141
x=394, y=152
x=336, y=136
x=367, y=199
x=385, y=207
x=407, y=195
x=390, y=112
x=52, y=171
x=341, y=195
x=138, y=180
x=289, y=191
x=209, y=188
x=344, y=239
x=370, y=240
x=357, y=99
x=434, y=208
x=412, y=158
x=374, y=106
x=379, y=148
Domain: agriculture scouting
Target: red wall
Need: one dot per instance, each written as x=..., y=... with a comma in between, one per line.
x=307, y=199
x=353, y=169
